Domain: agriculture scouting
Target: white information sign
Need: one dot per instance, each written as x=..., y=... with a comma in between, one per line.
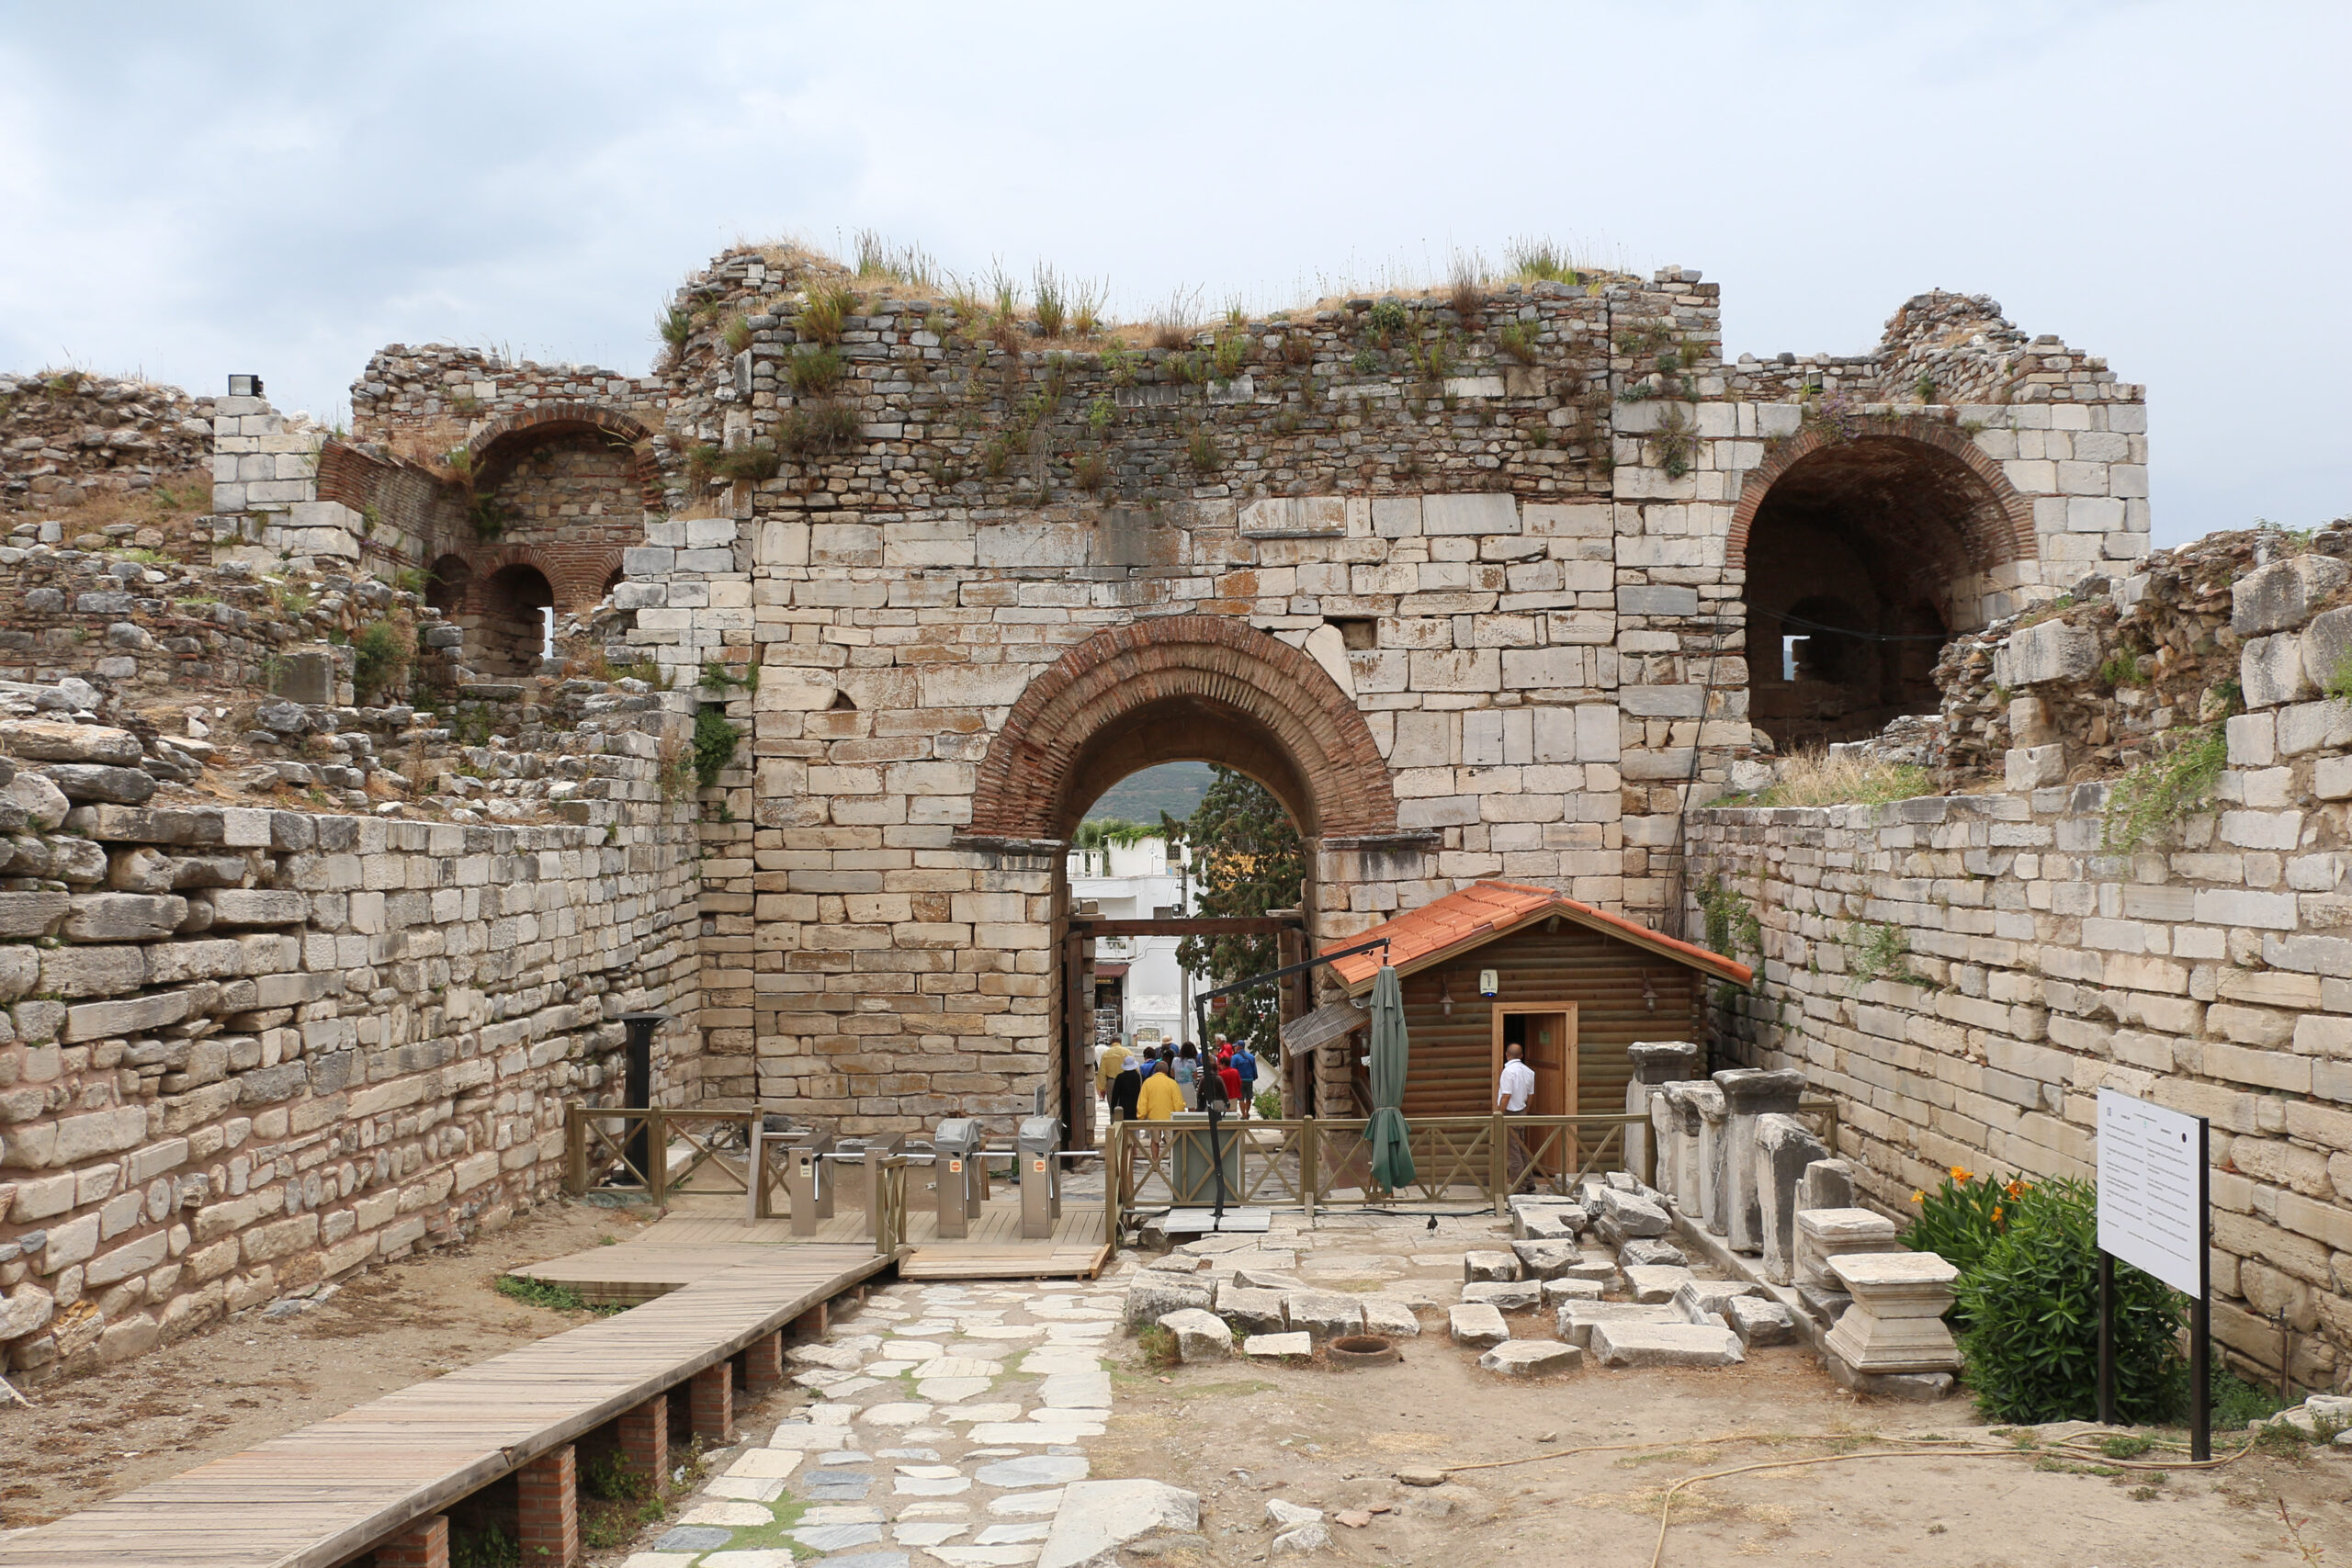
x=2151, y=1189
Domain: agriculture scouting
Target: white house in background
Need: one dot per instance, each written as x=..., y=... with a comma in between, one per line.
x=1138, y=981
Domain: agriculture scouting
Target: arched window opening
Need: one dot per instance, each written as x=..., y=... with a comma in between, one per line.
x=509, y=629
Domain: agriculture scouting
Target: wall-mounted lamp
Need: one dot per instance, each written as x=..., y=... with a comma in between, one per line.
x=1649, y=993
x=1444, y=995
x=244, y=386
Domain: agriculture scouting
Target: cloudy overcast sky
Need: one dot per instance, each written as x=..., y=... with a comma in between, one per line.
x=279, y=188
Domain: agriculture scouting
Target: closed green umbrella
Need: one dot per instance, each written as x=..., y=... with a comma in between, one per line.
x=1392, y=1152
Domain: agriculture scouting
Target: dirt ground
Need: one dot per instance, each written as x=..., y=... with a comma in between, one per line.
x=249, y=1380
x=1239, y=1434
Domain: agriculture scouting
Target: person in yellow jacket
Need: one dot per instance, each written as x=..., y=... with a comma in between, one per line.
x=1114, y=1061
x=1160, y=1098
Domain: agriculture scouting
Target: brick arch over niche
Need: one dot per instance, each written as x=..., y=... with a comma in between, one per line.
x=1202, y=688
x=2000, y=521
x=1863, y=546
x=503, y=442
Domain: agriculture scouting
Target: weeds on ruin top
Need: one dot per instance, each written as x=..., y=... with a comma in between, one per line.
x=1817, y=776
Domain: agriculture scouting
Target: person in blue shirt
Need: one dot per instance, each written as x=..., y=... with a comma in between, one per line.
x=1247, y=1066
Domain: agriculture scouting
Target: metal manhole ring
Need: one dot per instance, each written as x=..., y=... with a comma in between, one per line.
x=1364, y=1350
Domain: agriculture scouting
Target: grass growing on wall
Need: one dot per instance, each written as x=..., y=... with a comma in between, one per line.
x=1818, y=777
x=2154, y=799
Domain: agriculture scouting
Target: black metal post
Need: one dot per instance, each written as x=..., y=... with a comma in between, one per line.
x=2105, y=1338
x=1201, y=1002
x=636, y=1090
x=1216, y=1163
x=2200, y=1324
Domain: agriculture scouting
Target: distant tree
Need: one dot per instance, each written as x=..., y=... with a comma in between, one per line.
x=1246, y=859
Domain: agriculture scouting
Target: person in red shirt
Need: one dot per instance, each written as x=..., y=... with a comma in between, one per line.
x=1231, y=1076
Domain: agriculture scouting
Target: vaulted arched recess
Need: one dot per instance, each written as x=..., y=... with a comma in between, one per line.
x=1865, y=542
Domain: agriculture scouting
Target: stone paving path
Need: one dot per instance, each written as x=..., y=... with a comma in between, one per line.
x=948, y=1421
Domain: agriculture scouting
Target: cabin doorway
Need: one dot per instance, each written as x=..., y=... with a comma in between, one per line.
x=1545, y=1034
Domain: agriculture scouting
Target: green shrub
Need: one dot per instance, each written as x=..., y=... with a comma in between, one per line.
x=539, y=1292
x=753, y=462
x=714, y=741
x=1960, y=1220
x=829, y=306
x=1518, y=339
x=2157, y=795
x=2033, y=1306
x=1269, y=1105
x=381, y=653
x=612, y=1477
x=1385, y=322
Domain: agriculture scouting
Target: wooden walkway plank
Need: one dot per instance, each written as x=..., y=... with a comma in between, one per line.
x=315, y=1498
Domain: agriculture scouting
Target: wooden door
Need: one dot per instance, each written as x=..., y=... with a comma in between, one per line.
x=1546, y=1035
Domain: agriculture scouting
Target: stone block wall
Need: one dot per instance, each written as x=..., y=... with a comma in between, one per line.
x=243, y=1051
x=1965, y=973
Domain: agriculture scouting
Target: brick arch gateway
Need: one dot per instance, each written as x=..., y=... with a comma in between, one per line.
x=1177, y=688
x=1183, y=688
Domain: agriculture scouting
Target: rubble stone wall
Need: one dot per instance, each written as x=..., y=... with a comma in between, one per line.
x=67, y=437
x=243, y=1051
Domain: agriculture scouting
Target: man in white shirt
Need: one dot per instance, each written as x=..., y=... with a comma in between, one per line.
x=1512, y=1090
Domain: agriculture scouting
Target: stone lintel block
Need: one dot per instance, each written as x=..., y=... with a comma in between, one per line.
x=1477, y=1325
x=1664, y=1345
x=1532, y=1358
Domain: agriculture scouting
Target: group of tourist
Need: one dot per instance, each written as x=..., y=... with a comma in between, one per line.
x=1152, y=1083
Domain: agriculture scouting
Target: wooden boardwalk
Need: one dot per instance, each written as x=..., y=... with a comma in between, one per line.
x=701, y=1235
x=316, y=1498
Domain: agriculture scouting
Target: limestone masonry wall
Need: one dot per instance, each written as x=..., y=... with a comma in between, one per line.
x=245, y=1051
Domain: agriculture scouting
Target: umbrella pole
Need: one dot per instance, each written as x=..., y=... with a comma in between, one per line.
x=1217, y=1166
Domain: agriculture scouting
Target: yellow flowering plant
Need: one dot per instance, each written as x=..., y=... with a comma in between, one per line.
x=1963, y=1217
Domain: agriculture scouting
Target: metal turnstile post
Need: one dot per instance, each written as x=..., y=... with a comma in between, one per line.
x=808, y=1178
x=958, y=1172
x=1037, y=1149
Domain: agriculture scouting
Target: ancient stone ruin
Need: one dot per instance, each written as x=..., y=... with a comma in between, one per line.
x=354, y=799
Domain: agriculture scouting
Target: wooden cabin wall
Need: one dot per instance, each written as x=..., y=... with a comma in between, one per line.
x=1451, y=1069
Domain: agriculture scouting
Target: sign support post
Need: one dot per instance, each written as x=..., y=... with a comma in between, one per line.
x=2156, y=1210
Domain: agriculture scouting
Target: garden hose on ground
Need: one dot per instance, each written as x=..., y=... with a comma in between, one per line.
x=1924, y=1447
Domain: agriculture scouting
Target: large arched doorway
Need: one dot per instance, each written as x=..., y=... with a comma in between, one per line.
x=1181, y=688
x=1864, y=549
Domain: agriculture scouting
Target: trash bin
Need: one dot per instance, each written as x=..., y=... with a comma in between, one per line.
x=1036, y=1154
x=956, y=1170
x=1193, y=1168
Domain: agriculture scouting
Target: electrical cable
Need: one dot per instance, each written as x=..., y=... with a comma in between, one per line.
x=1788, y=620
x=2076, y=1447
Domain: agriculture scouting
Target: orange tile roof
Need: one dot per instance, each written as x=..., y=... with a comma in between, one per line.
x=1479, y=913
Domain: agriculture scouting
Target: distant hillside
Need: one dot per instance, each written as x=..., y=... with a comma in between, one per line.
x=1173, y=788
